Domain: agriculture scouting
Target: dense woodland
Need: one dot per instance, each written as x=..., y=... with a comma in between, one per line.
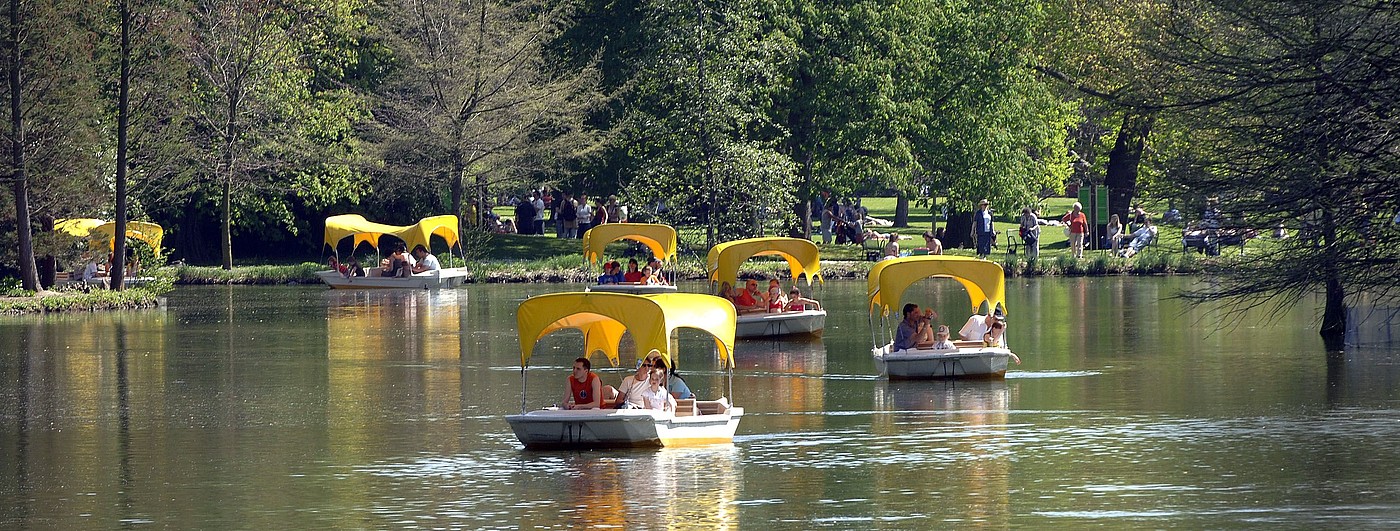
x=239, y=125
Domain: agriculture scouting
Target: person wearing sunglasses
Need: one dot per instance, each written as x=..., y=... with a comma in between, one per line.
x=631, y=391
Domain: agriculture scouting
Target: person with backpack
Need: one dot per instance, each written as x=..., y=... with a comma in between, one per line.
x=569, y=212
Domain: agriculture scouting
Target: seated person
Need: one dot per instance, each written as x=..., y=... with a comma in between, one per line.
x=90, y=269
x=655, y=394
x=630, y=392
x=647, y=279
x=749, y=300
x=891, y=246
x=976, y=327
x=676, y=385
x=425, y=261
x=995, y=336
x=508, y=226
x=776, y=300
x=726, y=291
x=633, y=276
x=798, y=303
x=336, y=266
x=1140, y=239
x=941, y=340
x=931, y=244
x=585, y=390
x=607, y=276
x=915, y=331
x=398, y=265
x=354, y=269
x=656, y=272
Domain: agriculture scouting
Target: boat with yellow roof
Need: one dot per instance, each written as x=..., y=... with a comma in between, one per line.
x=804, y=261
x=364, y=231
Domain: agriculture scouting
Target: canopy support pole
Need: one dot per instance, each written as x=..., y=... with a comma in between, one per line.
x=523, y=388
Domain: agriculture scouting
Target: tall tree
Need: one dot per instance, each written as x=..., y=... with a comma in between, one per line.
x=54, y=150
x=475, y=102
x=701, y=135
x=270, y=127
x=1294, y=113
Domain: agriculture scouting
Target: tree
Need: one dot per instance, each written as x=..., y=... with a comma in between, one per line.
x=700, y=132
x=473, y=97
x=1294, y=112
x=271, y=127
x=54, y=150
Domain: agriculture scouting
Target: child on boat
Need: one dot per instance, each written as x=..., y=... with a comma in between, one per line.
x=656, y=396
x=797, y=303
x=941, y=339
x=993, y=337
x=776, y=301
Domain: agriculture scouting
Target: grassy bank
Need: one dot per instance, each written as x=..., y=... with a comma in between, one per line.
x=19, y=301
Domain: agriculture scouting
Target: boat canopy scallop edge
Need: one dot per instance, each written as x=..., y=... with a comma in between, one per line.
x=347, y=225
x=802, y=257
x=150, y=233
x=984, y=281
x=661, y=239
x=603, y=318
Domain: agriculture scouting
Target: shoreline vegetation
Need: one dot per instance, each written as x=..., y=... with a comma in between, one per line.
x=560, y=269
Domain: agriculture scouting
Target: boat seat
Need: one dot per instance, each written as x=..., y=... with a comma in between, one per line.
x=968, y=344
x=710, y=407
x=685, y=407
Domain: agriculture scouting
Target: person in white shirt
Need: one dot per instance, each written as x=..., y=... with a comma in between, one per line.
x=425, y=261
x=940, y=339
x=655, y=394
x=976, y=327
x=539, y=214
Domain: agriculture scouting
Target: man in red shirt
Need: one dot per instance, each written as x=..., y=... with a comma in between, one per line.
x=585, y=389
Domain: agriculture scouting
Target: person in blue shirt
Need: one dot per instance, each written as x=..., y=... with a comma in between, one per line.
x=982, y=225
x=916, y=330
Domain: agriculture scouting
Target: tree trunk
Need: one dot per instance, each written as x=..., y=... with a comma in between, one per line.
x=901, y=211
x=959, y=231
x=458, y=186
x=118, y=272
x=29, y=278
x=1122, y=171
x=226, y=225
x=1334, y=313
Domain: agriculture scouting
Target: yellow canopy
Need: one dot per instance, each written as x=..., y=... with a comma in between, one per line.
x=150, y=233
x=985, y=281
x=802, y=257
x=604, y=317
x=347, y=225
x=661, y=239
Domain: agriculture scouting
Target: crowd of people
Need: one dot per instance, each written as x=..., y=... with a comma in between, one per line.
x=652, y=386
x=570, y=216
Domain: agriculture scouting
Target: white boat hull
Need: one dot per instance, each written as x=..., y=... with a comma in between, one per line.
x=780, y=324
x=621, y=428
x=927, y=364
x=636, y=289
x=441, y=278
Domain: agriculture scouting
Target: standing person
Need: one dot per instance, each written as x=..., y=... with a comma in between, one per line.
x=585, y=390
x=568, y=211
x=1030, y=233
x=539, y=205
x=616, y=213
x=828, y=215
x=524, y=212
x=583, y=214
x=1078, y=229
x=982, y=225
x=600, y=213
x=554, y=200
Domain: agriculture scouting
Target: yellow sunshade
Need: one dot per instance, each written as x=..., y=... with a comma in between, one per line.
x=661, y=239
x=802, y=257
x=985, y=281
x=347, y=225
x=150, y=233
x=604, y=317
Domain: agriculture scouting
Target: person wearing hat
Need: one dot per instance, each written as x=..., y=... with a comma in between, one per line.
x=1078, y=229
x=982, y=226
x=941, y=339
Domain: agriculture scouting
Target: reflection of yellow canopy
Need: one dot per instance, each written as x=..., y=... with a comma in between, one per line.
x=802, y=257
x=150, y=233
x=603, y=317
x=985, y=281
x=660, y=238
x=347, y=225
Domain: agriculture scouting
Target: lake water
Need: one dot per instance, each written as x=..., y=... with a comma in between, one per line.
x=299, y=407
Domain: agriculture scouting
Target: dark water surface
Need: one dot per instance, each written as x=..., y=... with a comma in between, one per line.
x=299, y=407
